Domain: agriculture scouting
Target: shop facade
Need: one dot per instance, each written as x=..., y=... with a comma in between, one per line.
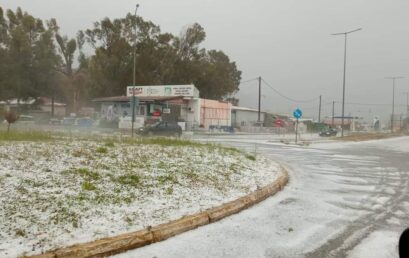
x=172, y=103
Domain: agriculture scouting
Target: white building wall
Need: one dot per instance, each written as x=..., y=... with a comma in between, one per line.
x=246, y=118
x=191, y=113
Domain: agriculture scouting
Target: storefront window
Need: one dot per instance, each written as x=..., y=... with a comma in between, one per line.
x=142, y=110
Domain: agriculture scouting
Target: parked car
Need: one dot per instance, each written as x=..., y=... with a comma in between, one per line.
x=161, y=128
x=68, y=121
x=85, y=122
x=24, y=119
x=54, y=121
x=328, y=132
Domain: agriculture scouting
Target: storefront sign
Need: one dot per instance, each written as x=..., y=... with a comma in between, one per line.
x=163, y=91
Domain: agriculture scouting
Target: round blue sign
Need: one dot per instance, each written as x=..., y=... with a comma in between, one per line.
x=297, y=113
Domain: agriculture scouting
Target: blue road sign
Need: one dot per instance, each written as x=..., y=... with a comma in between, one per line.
x=297, y=113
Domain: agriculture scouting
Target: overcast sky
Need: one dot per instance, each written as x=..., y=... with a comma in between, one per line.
x=287, y=42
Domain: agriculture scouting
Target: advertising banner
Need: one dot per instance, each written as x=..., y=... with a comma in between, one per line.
x=162, y=91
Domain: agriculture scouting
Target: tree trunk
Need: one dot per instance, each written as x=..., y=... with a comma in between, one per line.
x=74, y=102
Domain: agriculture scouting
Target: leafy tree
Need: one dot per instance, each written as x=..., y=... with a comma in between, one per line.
x=74, y=81
x=35, y=58
x=3, y=53
x=160, y=58
x=211, y=71
x=111, y=67
x=29, y=56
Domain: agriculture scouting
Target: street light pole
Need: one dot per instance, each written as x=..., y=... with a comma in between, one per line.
x=319, y=111
x=134, y=75
x=393, y=78
x=333, y=111
x=407, y=104
x=259, y=100
x=407, y=109
x=343, y=83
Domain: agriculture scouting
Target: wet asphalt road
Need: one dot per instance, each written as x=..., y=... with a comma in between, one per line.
x=379, y=180
x=335, y=199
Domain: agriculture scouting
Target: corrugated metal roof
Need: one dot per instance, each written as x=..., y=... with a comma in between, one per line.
x=246, y=109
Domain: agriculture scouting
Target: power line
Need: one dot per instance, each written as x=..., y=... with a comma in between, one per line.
x=288, y=98
x=371, y=104
x=363, y=104
x=246, y=81
x=233, y=94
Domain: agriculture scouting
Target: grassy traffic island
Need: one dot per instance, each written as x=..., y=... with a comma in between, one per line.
x=57, y=191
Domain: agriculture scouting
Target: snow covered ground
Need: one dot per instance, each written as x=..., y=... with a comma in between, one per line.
x=58, y=193
x=379, y=244
x=344, y=199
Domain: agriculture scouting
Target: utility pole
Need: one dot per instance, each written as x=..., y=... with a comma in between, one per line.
x=407, y=104
x=134, y=75
x=393, y=78
x=319, y=112
x=343, y=82
x=259, y=98
x=333, y=111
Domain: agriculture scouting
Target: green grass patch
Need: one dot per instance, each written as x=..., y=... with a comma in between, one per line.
x=25, y=136
x=102, y=150
x=169, y=190
x=163, y=141
x=84, y=173
x=110, y=144
x=232, y=150
x=20, y=233
x=129, y=179
x=88, y=186
x=167, y=179
x=251, y=157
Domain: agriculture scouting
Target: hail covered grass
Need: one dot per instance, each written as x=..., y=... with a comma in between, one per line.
x=57, y=193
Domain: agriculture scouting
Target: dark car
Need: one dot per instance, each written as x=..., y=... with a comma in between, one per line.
x=161, y=128
x=85, y=122
x=328, y=133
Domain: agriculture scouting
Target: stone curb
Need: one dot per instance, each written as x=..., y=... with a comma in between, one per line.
x=124, y=242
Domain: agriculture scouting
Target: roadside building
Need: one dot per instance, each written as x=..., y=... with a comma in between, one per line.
x=246, y=117
x=214, y=113
x=46, y=104
x=172, y=103
x=40, y=108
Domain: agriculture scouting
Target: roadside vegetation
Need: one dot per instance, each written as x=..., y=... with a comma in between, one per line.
x=15, y=135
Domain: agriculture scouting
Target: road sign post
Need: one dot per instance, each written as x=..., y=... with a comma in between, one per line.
x=297, y=114
x=296, y=131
